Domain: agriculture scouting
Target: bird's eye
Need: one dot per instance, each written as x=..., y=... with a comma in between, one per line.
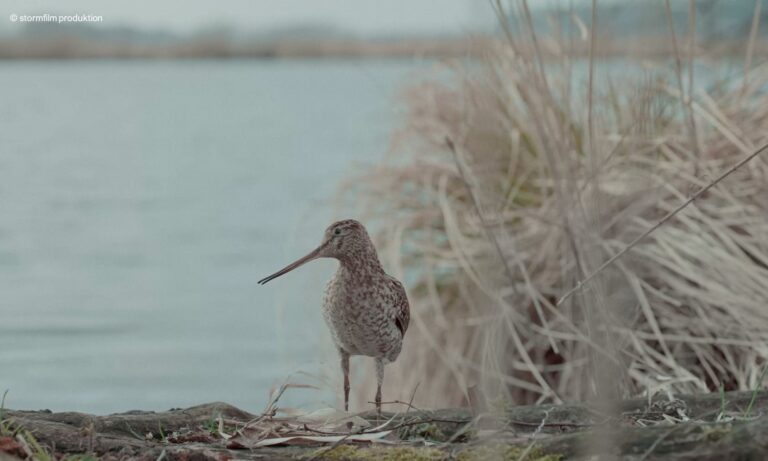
x=337, y=231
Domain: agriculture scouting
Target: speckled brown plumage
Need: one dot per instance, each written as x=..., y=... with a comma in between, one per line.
x=365, y=309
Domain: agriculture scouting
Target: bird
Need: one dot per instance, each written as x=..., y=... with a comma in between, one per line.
x=366, y=309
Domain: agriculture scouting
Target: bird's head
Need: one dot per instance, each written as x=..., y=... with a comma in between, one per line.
x=342, y=239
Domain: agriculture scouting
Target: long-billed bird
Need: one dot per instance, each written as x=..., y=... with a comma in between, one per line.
x=366, y=310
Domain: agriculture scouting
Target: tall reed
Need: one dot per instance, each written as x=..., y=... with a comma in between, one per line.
x=519, y=173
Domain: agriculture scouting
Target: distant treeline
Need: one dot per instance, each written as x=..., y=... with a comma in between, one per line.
x=212, y=48
x=218, y=48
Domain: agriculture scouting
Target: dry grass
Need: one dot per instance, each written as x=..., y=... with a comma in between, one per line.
x=512, y=179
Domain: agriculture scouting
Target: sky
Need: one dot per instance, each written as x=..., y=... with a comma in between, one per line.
x=364, y=17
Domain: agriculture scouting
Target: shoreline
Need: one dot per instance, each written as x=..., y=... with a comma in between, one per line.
x=71, y=48
x=706, y=426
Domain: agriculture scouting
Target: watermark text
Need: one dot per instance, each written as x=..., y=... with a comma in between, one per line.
x=55, y=18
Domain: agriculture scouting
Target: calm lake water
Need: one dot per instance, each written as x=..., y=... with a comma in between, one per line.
x=141, y=201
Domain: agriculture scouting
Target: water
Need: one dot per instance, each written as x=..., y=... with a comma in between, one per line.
x=141, y=201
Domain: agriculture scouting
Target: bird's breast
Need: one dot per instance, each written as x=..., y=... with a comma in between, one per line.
x=359, y=321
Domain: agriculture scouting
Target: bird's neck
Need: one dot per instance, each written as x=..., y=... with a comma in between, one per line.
x=361, y=264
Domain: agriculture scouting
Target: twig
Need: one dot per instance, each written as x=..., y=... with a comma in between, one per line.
x=400, y=402
x=555, y=424
x=380, y=429
x=462, y=430
x=691, y=52
x=408, y=403
x=750, y=47
x=318, y=431
x=535, y=433
x=259, y=418
x=685, y=98
x=361, y=431
x=413, y=395
x=130, y=429
x=658, y=441
x=590, y=96
x=663, y=220
x=321, y=452
x=271, y=409
x=414, y=422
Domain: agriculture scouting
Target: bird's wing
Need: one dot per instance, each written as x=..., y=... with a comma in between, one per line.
x=402, y=312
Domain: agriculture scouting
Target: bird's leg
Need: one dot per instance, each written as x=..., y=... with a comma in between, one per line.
x=379, y=381
x=345, y=370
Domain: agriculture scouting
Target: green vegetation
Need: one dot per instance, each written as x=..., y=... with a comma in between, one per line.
x=351, y=452
x=714, y=433
x=5, y=428
x=212, y=425
x=427, y=431
x=25, y=442
x=758, y=385
x=494, y=452
x=506, y=453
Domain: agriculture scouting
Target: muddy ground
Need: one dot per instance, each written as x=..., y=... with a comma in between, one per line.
x=703, y=427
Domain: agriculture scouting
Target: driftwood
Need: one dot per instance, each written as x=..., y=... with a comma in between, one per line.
x=570, y=430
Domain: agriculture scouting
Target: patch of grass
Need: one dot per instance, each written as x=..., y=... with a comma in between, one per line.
x=33, y=447
x=80, y=458
x=428, y=431
x=714, y=433
x=757, y=387
x=501, y=452
x=351, y=452
x=721, y=390
x=212, y=426
x=5, y=427
x=506, y=453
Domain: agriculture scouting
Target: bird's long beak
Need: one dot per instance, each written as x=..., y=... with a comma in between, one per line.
x=313, y=255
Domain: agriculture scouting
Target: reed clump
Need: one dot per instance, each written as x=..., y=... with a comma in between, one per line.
x=517, y=174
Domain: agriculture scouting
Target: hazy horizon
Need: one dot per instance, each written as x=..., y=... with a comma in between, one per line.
x=364, y=17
